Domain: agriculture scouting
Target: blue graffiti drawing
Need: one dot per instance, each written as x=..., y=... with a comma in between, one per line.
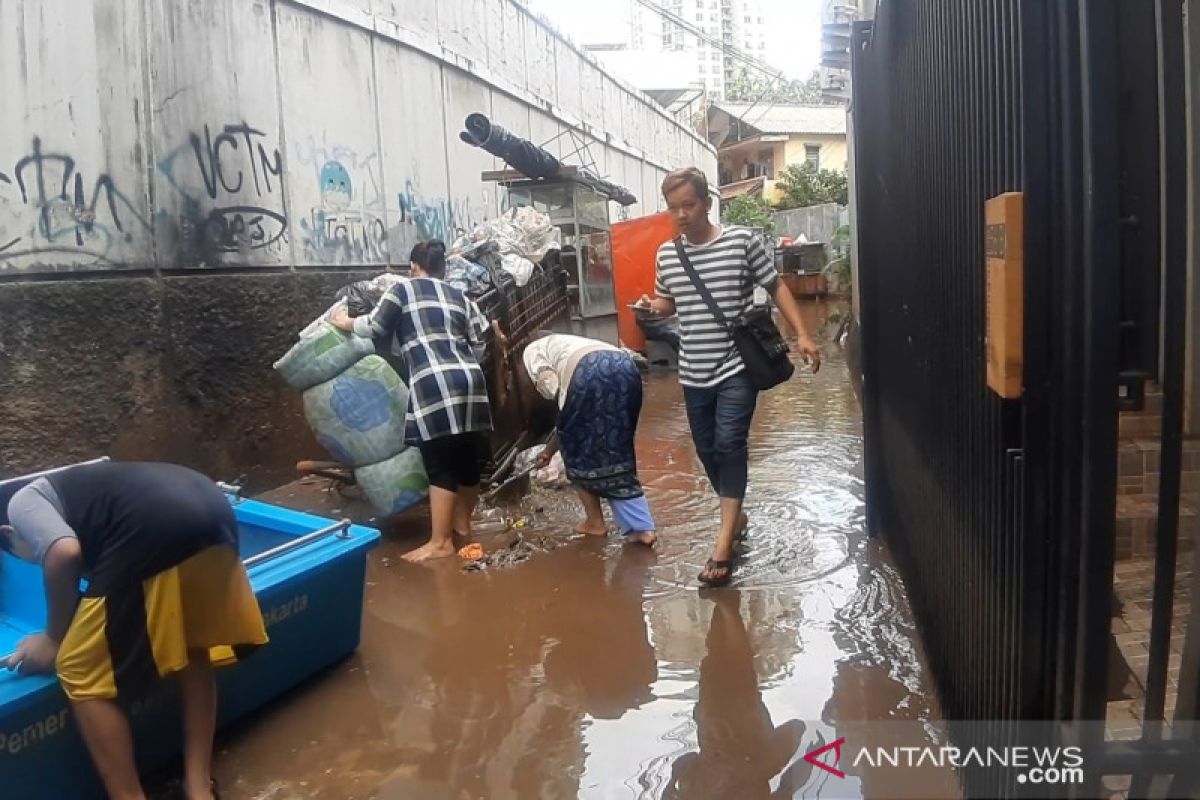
x=343, y=230
x=444, y=219
x=336, y=189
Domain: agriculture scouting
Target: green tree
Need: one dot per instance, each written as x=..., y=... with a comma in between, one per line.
x=754, y=87
x=804, y=185
x=749, y=209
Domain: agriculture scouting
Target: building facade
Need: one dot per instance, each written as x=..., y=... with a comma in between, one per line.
x=757, y=142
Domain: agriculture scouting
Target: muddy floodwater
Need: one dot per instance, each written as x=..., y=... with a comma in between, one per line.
x=599, y=671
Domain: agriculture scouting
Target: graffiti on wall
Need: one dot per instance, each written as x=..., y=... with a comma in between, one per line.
x=346, y=226
x=231, y=182
x=50, y=207
x=221, y=193
x=422, y=218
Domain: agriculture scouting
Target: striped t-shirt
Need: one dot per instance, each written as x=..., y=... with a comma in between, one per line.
x=730, y=266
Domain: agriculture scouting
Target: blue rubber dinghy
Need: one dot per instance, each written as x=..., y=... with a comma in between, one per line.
x=308, y=574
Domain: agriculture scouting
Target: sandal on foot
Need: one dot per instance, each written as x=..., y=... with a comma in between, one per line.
x=712, y=565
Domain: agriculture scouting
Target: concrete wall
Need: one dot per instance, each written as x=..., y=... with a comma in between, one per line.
x=184, y=183
x=818, y=223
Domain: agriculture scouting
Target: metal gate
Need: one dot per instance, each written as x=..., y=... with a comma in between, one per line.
x=1001, y=512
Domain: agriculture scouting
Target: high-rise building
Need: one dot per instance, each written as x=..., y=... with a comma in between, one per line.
x=837, y=17
x=704, y=32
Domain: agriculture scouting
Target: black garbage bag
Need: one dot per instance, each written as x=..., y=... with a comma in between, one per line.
x=661, y=329
x=361, y=297
x=521, y=154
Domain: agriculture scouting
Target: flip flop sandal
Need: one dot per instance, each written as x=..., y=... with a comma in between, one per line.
x=723, y=580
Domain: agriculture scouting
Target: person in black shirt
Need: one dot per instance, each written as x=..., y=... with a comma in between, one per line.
x=165, y=593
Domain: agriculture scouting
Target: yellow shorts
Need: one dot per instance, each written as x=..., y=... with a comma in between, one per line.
x=127, y=640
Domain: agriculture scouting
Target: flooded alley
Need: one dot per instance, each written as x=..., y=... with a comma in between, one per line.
x=600, y=671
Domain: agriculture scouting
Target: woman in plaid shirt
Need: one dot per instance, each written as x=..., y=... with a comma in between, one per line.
x=434, y=327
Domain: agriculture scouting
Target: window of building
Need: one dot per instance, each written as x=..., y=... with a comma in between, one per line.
x=812, y=155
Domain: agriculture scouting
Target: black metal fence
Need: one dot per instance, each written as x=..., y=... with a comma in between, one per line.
x=1002, y=512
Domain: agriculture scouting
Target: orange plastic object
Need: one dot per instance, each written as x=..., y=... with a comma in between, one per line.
x=635, y=248
x=472, y=552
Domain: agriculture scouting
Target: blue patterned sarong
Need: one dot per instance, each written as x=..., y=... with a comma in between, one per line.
x=598, y=422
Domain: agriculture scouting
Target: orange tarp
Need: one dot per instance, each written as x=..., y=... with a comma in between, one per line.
x=635, y=247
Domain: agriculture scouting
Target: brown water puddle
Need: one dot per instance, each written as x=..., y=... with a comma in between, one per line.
x=593, y=670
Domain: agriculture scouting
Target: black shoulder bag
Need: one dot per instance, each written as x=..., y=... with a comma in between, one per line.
x=757, y=339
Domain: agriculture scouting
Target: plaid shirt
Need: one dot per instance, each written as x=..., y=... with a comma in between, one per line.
x=434, y=325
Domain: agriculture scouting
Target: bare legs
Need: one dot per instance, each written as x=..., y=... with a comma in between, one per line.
x=593, y=523
x=451, y=515
x=105, y=730
x=733, y=523
x=442, y=508
x=199, y=692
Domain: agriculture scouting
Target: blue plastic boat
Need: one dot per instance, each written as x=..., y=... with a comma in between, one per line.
x=308, y=574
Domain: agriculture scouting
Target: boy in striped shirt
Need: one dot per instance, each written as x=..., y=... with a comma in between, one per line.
x=720, y=398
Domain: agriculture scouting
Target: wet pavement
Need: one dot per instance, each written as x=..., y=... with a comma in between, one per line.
x=600, y=671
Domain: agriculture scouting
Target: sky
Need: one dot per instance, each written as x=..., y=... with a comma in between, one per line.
x=793, y=28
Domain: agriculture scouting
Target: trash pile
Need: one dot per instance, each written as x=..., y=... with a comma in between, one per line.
x=522, y=237
x=354, y=390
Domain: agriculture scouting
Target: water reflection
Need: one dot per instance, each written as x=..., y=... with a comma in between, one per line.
x=740, y=749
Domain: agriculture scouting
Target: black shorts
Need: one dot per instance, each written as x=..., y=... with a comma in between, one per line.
x=455, y=461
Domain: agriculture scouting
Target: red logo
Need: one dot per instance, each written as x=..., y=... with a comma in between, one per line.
x=836, y=747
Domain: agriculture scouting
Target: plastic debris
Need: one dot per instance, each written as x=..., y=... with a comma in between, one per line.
x=472, y=552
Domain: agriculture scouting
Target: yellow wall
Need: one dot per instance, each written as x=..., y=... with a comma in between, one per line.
x=834, y=152
x=734, y=159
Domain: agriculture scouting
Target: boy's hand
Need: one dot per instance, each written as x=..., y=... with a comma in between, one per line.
x=35, y=655
x=809, y=351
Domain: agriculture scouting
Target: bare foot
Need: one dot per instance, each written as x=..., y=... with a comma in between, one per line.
x=647, y=538
x=589, y=528
x=429, y=550
x=461, y=540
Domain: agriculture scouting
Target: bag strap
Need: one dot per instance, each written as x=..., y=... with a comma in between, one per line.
x=705, y=294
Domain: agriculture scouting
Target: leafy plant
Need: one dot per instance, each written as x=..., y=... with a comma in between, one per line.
x=749, y=209
x=757, y=88
x=803, y=185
